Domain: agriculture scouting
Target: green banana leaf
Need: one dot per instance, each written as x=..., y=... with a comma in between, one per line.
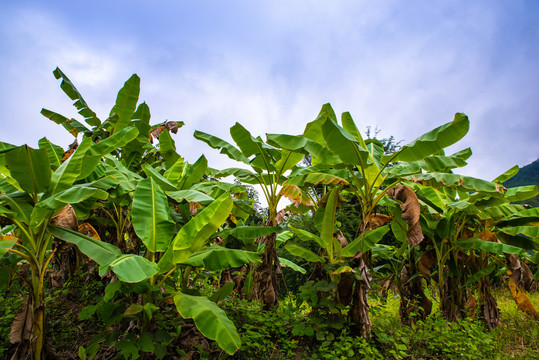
x=71, y=125
x=5, y=245
x=210, y=320
x=507, y=175
x=344, y=145
x=432, y=142
x=199, y=229
x=530, y=230
x=462, y=183
x=151, y=216
x=126, y=102
x=131, y=268
x=101, y=252
x=217, y=258
x=303, y=253
x=223, y=292
x=493, y=247
x=292, y=265
x=54, y=152
x=248, y=232
x=67, y=173
x=176, y=171
x=521, y=193
x=67, y=86
x=30, y=168
x=115, y=141
x=225, y=148
x=477, y=275
x=370, y=238
x=328, y=222
x=193, y=173
x=190, y=195
x=159, y=179
x=308, y=236
x=167, y=148
x=72, y=196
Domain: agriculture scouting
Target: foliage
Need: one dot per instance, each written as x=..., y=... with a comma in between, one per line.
x=527, y=175
x=161, y=237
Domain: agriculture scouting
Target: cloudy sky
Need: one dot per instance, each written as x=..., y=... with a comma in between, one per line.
x=404, y=66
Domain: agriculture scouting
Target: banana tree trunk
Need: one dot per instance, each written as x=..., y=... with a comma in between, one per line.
x=37, y=305
x=414, y=304
x=359, y=310
x=489, y=306
x=266, y=285
x=453, y=301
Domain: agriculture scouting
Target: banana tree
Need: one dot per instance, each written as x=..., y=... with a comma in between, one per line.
x=32, y=193
x=269, y=167
x=462, y=218
x=368, y=171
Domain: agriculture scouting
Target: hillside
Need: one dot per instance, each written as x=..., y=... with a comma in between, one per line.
x=527, y=175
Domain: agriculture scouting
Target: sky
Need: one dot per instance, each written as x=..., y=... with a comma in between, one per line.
x=405, y=67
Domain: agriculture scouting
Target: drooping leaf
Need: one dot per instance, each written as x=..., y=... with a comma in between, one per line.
x=292, y=265
x=74, y=94
x=432, y=142
x=190, y=195
x=210, y=320
x=101, y=252
x=248, y=232
x=226, y=148
x=217, y=258
x=328, y=222
x=476, y=276
x=151, y=217
x=71, y=125
x=303, y=253
x=493, y=247
x=521, y=193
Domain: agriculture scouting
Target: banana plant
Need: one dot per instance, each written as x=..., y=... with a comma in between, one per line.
x=467, y=221
x=32, y=193
x=269, y=167
x=340, y=152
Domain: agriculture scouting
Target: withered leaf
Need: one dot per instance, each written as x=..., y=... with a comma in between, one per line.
x=66, y=218
x=411, y=211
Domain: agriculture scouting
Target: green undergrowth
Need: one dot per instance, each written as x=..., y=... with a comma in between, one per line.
x=287, y=333
x=291, y=332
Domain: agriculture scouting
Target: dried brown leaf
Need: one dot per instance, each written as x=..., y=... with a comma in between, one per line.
x=89, y=230
x=411, y=211
x=66, y=218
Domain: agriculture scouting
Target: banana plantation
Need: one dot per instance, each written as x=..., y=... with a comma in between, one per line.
x=158, y=258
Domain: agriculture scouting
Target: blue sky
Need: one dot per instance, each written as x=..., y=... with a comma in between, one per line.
x=406, y=67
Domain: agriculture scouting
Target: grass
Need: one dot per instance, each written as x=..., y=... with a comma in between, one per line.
x=287, y=332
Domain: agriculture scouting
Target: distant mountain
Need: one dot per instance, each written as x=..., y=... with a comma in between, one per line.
x=527, y=175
